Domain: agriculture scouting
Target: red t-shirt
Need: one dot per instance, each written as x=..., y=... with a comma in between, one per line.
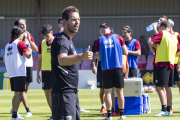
x=21, y=47
x=137, y=45
x=48, y=44
x=157, y=39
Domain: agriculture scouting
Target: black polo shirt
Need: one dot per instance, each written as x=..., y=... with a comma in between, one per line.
x=99, y=62
x=65, y=78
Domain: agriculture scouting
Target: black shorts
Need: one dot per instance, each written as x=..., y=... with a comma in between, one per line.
x=176, y=75
x=164, y=76
x=18, y=84
x=114, y=78
x=132, y=72
x=29, y=74
x=154, y=74
x=64, y=105
x=99, y=79
x=46, y=80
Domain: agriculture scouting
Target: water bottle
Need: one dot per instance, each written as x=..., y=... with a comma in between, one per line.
x=150, y=27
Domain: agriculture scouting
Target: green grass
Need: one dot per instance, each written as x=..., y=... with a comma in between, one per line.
x=41, y=111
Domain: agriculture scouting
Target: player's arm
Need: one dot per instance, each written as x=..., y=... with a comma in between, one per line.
x=94, y=69
x=93, y=64
x=123, y=45
x=137, y=51
x=28, y=54
x=3, y=59
x=23, y=50
x=65, y=60
x=127, y=71
x=98, y=56
x=125, y=50
x=155, y=28
x=33, y=45
x=39, y=62
x=151, y=48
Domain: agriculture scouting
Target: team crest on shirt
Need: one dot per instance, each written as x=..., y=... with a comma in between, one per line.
x=9, y=49
x=48, y=49
x=42, y=84
x=109, y=43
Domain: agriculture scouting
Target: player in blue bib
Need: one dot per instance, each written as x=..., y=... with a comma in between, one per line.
x=109, y=50
x=134, y=50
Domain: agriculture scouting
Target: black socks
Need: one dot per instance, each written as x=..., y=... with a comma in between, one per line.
x=14, y=114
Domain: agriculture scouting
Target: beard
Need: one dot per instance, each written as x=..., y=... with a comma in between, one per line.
x=70, y=28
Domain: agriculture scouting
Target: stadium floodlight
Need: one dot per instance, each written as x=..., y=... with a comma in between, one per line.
x=1, y=17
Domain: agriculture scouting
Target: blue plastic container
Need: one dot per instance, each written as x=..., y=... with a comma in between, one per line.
x=132, y=106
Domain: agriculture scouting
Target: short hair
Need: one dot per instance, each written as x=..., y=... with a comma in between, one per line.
x=171, y=22
x=46, y=29
x=165, y=24
x=163, y=16
x=67, y=11
x=59, y=20
x=18, y=21
x=128, y=28
x=141, y=36
x=104, y=25
x=16, y=32
x=112, y=30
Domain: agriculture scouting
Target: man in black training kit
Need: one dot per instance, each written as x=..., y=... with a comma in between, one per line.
x=65, y=101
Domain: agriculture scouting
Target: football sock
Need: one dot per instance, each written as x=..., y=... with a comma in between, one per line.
x=109, y=113
x=168, y=108
x=121, y=111
x=14, y=114
x=103, y=105
x=27, y=109
x=164, y=108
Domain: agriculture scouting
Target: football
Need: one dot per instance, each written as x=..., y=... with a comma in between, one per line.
x=146, y=89
x=151, y=89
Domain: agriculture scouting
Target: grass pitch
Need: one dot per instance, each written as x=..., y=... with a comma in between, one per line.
x=89, y=100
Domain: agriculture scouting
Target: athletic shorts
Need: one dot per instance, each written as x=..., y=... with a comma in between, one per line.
x=176, y=74
x=46, y=80
x=99, y=79
x=154, y=74
x=29, y=74
x=164, y=76
x=113, y=78
x=18, y=84
x=132, y=72
x=65, y=105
